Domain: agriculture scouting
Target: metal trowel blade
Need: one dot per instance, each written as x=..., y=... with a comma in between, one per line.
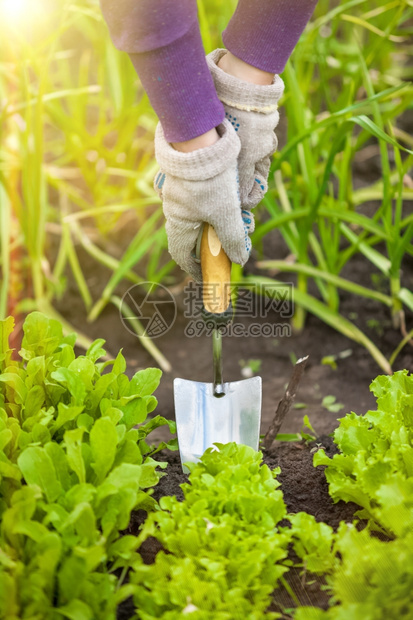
x=203, y=419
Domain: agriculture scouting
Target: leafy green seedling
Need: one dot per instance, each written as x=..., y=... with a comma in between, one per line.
x=331, y=360
x=307, y=425
x=368, y=579
x=375, y=466
x=330, y=403
x=223, y=551
x=289, y=437
x=317, y=447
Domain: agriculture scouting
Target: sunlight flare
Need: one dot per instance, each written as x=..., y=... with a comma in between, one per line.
x=21, y=11
x=13, y=9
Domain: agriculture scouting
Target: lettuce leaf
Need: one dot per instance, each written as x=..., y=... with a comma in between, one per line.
x=375, y=466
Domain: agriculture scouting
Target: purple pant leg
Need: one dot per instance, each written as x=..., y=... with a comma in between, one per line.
x=263, y=33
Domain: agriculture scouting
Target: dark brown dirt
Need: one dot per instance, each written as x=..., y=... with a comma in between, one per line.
x=305, y=487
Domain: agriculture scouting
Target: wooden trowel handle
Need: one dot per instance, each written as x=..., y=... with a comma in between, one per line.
x=216, y=273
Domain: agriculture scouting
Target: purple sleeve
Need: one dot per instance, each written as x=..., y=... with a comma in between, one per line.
x=163, y=40
x=164, y=43
x=263, y=33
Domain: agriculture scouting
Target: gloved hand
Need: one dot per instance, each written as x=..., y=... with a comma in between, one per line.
x=202, y=186
x=252, y=110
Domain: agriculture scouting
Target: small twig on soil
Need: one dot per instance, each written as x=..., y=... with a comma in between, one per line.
x=286, y=402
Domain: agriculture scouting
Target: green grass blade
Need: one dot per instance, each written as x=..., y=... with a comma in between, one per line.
x=339, y=282
x=139, y=330
x=367, y=124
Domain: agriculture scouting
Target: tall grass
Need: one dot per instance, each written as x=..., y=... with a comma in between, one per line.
x=76, y=158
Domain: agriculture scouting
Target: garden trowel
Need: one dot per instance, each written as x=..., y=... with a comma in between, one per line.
x=207, y=413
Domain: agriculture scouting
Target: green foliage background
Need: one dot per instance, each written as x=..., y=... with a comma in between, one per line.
x=76, y=159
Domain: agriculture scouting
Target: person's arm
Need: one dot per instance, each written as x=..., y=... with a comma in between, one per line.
x=213, y=169
x=163, y=40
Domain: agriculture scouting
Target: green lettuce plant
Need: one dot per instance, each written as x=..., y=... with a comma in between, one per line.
x=75, y=460
x=367, y=578
x=372, y=581
x=313, y=543
x=375, y=466
x=222, y=551
x=74, y=463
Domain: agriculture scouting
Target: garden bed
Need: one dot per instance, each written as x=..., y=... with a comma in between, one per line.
x=259, y=520
x=304, y=486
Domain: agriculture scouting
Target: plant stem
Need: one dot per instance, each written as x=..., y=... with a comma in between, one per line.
x=397, y=306
x=337, y=281
x=298, y=319
x=400, y=346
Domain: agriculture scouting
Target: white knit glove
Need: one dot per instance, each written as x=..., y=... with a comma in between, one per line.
x=202, y=186
x=252, y=110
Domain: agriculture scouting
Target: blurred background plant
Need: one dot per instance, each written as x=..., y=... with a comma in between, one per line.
x=76, y=163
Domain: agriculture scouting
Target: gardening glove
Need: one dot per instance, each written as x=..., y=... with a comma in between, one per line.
x=202, y=186
x=252, y=111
